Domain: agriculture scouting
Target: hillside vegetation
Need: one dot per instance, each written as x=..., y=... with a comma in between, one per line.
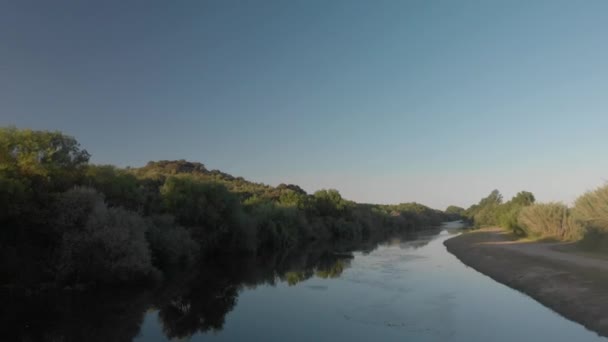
x=65, y=221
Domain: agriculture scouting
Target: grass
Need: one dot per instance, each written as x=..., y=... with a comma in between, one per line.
x=550, y=221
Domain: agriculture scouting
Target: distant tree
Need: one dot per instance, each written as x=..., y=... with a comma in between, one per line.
x=454, y=212
x=523, y=198
x=50, y=158
x=485, y=212
x=329, y=202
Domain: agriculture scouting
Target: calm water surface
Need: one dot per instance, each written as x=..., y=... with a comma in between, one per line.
x=400, y=291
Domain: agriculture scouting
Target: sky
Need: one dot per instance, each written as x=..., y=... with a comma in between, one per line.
x=437, y=102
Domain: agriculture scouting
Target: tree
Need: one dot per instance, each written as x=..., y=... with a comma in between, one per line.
x=120, y=188
x=485, y=213
x=454, y=212
x=329, y=202
x=523, y=198
x=213, y=213
x=51, y=158
x=101, y=243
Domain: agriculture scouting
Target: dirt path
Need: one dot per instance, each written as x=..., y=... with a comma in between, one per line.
x=574, y=285
x=563, y=252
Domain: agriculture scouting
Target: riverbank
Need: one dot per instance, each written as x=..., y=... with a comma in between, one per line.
x=571, y=283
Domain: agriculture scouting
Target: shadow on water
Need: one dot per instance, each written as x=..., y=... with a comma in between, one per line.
x=193, y=302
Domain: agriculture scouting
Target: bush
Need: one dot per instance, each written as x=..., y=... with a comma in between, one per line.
x=170, y=244
x=591, y=210
x=110, y=247
x=214, y=214
x=277, y=227
x=119, y=188
x=508, y=219
x=74, y=206
x=14, y=194
x=330, y=203
x=549, y=220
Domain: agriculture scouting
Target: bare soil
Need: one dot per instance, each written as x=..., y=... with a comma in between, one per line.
x=572, y=283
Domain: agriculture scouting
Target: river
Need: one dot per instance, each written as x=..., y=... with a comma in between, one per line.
x=402, y=290
x=407, y=288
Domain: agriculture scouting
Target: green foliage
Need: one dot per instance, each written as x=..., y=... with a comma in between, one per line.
x=333, y=270
x=65, y=220
x=508, y=213
x=120, y=188
x=170, y=244
x=591, y=211
x=587, y=221
x=417, y=213
x=329, y=203
x=492, y=211
x=50, y=158
x=454, y=212
x=277, y=227
x=523, y=198
x=74, y=207
x=110, y=247
x=213, y=213
x=14, y=194
x=484, y=213
x=549, y=220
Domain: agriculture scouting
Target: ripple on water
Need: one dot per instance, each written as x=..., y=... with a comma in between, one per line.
x=317, y=287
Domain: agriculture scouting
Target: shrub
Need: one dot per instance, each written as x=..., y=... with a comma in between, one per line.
x=110, y=247
x=549, y=220
x=118, y=187
x=277, y=227
x=330, y=203
x=74, y=206
x=214, y=214
x=591, y=210
x=14, y=194
x=170, y=244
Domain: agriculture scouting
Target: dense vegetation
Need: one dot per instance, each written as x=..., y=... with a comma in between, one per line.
x=65, y=221
x=492, y=211
x=586, y=221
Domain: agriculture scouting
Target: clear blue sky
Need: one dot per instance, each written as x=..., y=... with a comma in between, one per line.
x=387, y=101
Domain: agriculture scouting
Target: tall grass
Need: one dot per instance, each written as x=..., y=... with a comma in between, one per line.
x=549, y=220
x=591, y=210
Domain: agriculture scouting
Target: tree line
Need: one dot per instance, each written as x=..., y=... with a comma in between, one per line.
x=585, y=222
x=66, y=221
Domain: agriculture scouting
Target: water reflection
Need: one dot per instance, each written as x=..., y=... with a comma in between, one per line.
x=75, y=317
x=207, y=298
x=195, y=302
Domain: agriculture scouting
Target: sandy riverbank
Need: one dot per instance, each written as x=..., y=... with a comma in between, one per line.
x=572, y=284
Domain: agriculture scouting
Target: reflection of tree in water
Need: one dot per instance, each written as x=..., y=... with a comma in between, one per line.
x=70, y=317
x=412, y=240
x=195, y=302
x=203, y=304
x=210, y=296
x=333, y=271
